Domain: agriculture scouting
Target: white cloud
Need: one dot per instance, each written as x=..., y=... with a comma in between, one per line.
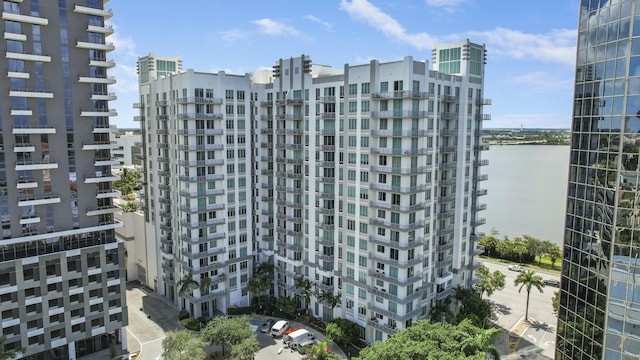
x=543, y=81
x=125, y=46
x=315, y=19
x=275, y=28
x=447, y=5
x=234, y=35
x=556, y=46
x=376, y=18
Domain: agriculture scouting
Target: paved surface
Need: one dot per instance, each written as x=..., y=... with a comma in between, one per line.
x=538, y=339
x=147, y=328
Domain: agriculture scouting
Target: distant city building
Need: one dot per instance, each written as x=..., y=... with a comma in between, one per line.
x=599, y=315
x=62, y=288
x=127, y=149
x=364, y=180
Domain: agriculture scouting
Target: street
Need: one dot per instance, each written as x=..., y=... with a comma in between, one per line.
x=538, y=340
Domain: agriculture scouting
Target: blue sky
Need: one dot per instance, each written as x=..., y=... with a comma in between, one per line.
x=530, y=44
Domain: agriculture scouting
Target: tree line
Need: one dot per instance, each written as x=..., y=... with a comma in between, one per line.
x=523, y=250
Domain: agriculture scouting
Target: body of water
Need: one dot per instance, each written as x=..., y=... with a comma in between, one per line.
x=527, y=191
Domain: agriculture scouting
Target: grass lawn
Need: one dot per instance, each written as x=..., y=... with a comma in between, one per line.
x=545, y=264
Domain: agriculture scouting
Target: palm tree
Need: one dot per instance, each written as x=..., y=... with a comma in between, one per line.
x=320, y=352
x=205, y=285
x=186, y=284
x=331, y=299
x=8, y=354
x=257, y=285
x=303, y=285
x=528, y=279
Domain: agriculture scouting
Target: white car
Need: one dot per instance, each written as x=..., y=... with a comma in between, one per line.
x=517, y=268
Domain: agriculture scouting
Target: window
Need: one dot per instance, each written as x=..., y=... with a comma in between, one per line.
x=365, y=88
x=353, y=89
x=362, y=293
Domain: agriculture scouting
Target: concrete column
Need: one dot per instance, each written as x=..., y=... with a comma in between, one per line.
x=123, y=338
x=72, y=350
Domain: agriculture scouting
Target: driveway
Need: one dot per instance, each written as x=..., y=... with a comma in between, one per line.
x=150, y=317
x=537, y=341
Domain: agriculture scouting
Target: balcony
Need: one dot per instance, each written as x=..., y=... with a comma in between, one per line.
x=402, y=94
x=102, y=210
x=29, y=219
x=399, y=170
x=100, y=145
x=24, y=148
x=95, y=46
x=399, y=189
x=202, y=148
x=42, y=199
x=94, y=112
x=95, y=179
x=209, y=222
x=97, y=80
x=398, y=114
x=198, y=209
x=391, y=151
x=200, y=131
x=106, y=29
x=14, y=36
x=105, y=96
x=106, y=13
x=402, y=263
x=401, y=132
x=401, y=245
x=35, y=165
x=31, y=93
x=398, y=208
x=27, y=19
x=108, y=194
x=399, y=227
x=26, y=183
x=483, y=101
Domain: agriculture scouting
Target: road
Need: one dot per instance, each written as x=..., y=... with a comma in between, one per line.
x=538, y=340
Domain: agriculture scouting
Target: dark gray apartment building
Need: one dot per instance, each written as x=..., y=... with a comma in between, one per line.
x=62, y=287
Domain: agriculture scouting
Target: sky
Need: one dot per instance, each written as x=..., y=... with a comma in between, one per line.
x=530, y=44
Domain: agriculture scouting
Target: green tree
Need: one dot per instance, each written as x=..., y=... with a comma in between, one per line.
x=246, y=349
x=504, y=248
x=490, y=282
x=320, y=352
x=555, y=302
x=472, y=307
x=536, y=247
x=554, y=253
x=129, y=181
x=303, y=286
x=8, y=354
x=329, y=298
x=528, y=280
x=434, y=341
x=257, y=285
x=183, y=345
x=286, y=304
x=343, y=331
x=490, y=243
x=519, y=247
x=205, y=285
x=227, y=331
x=476, y=341
x=186, y=284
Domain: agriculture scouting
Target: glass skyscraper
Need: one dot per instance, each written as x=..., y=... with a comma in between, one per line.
x=599, y=315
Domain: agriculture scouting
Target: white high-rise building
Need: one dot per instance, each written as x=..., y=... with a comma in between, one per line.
x=364, y=180
x=62, y=275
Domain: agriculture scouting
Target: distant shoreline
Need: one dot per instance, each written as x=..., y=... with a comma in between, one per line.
x=523, y=142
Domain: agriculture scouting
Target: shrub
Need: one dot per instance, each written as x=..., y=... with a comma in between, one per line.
x=245, y=310
x=183, y=314
x=191, y=324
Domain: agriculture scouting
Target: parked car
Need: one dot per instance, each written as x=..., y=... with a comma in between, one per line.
x=266, y=325
x=278, y=329
x=517, y=268
x=552, y=282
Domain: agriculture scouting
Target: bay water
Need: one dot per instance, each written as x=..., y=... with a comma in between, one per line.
x=526, y=191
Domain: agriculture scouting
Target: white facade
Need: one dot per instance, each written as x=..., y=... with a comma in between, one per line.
x=365, y=180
